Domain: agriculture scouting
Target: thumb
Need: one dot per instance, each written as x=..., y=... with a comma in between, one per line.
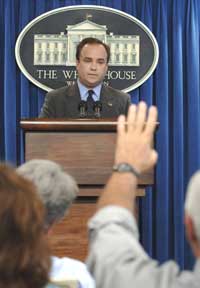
x=154, y=157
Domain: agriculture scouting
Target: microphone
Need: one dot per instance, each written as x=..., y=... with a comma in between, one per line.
x=97, y=109
x=82, y=107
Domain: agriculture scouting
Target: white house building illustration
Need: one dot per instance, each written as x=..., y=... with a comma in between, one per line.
x=60, y=49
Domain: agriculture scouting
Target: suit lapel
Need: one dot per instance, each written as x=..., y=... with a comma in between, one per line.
x=106, y=98
x=72, y=101
x=73, y=91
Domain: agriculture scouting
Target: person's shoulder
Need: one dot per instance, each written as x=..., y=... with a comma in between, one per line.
x=116, y=92
x=190, y=278
x=66, y=262
x=56, y=92
x=73, y=268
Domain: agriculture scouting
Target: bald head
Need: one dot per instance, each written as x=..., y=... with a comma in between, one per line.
x=192, y=202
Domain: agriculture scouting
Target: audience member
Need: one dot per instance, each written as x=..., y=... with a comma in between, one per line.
x=116, y=258
x=57, y=190
x=24, y=253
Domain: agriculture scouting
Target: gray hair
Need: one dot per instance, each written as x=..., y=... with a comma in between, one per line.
x=192, y=201
x=56, y=188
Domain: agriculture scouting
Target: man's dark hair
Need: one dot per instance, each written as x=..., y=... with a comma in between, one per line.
x=91, y=41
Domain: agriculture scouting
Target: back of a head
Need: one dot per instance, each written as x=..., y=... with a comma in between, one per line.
x=23, y=247
x=56, y=188
x=192, y=201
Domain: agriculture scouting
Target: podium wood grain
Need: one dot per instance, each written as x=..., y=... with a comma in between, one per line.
x=69, y=237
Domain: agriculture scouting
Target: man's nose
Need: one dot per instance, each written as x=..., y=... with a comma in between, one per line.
x=93, y=66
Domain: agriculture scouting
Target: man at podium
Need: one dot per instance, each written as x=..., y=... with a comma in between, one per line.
x=88, y=97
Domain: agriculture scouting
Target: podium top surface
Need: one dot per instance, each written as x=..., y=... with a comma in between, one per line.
x=59, y=124
x=41, y=124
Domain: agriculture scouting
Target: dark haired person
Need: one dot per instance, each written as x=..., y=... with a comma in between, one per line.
x=89, y=93
x=24, y=253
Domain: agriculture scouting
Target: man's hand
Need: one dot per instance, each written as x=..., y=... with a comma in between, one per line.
x=134, y=138
x=134, y=146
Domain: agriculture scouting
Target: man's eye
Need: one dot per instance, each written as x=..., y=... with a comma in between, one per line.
x=101, y=62
x=87, y=60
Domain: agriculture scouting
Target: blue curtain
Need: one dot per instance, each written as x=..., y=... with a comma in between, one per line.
x=173, y=88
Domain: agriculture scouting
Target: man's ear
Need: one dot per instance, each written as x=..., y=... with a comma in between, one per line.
x=190, y=230
x=192, y=236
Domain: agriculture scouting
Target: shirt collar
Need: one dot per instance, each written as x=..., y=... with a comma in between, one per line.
x=84, y=91
x=197, y=268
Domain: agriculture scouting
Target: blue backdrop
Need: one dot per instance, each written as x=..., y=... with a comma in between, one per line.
x=174, y=88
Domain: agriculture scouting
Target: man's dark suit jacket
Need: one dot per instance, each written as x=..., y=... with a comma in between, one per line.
x=64, y=103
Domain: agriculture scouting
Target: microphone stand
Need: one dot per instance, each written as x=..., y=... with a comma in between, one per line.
x=97, y=109
x=82, y=107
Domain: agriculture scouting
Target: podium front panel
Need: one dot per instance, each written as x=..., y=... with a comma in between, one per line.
x=86, y=151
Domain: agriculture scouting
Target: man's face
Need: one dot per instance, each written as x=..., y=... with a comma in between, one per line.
x=92, y=65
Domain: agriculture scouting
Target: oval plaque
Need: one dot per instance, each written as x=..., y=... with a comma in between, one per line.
x=45, y=49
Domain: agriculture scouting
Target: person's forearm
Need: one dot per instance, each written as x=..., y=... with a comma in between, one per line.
x=119, y=191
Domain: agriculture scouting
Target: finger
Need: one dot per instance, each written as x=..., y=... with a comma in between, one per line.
x=120, y=136
x=131, y=117
x=140, y=116
x=121, y=126
x=151, y=122
x=154, y=157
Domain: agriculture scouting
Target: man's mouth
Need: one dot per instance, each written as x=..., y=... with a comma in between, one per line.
x=93, y=75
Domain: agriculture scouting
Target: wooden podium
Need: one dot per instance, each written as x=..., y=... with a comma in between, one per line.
x=85, y=149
